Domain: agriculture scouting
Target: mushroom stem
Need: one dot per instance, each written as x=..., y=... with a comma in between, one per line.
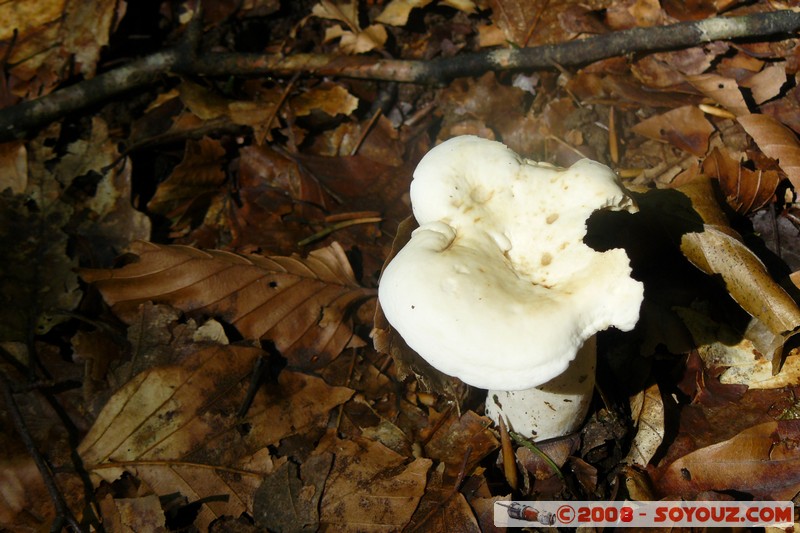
x=554, y=408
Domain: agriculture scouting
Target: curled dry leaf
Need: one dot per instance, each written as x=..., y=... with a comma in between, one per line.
x=685, y=127
x=647, y=411
x=718, y=249
x=176, y=427
x=776, y=141
x=745, y=190
x=763, y=460
x=302, y=305
x=354, y=40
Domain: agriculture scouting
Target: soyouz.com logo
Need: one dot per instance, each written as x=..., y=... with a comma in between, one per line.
x=643, y=514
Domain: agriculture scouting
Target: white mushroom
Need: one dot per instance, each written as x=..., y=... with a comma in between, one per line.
x=496, y=286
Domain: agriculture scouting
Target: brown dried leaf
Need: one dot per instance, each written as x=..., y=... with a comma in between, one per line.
x=354, y=40
x=767, y=83
x=191, y=183
x=556, y=450
x=302, y=305
x=685, y=128
x=745, y=190
x=51, y=35
x=461, y=441
x=176, y=427
x=133, y=514
x=724, y=91
x=285, y=502
x=370, y=487
x=718, y=250
x=763, y=460
x=443, y=508
x=14, y=162
x=776, y=141
x=647, y=411
x=332, y=100
x=38, y=286
x=397, y=11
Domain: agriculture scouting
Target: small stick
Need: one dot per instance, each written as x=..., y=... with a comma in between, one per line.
x=63, y=513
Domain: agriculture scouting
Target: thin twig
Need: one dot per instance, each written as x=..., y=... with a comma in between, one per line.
x=63, y=512
x=18, y=121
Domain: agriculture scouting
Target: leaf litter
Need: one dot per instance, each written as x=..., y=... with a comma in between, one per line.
x=216, y=371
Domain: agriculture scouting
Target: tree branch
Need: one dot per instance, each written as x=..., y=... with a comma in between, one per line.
x=19, y=120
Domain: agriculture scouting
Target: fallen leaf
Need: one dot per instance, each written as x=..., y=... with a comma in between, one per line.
x=443, y=508
x=724, y=91
x=460, y=441
x=40, y=40
x=332, y=100
x=354, y=40
x=686, y=128
x=396, y=12
x=176, y=427
x=718, y=249
x=288, y=499
x=557, y=450
x=198, y=176
x=776, y=141
x=369, y=487
x=14, y=162
x=767, y=84
x=38, y=288
x=133, y=514
x=302, y=305
x=763, y=460
x=647, y=412
x=745, y=190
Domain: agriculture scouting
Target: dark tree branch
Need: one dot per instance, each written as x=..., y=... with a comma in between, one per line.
x=19, y=120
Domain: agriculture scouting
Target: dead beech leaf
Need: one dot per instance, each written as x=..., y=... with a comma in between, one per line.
x=285, y=502
x=647, y=411
x=443, y=509
x=176, y=427
x=776, y=141
x=332, y=100
x=197, y=177
x=302, y=305
x=370, y=487
x=397, y=11
x=745, y=190
x=144, y=513
x=718, y=249
x=715, y=251
x=724, y=91
x=556, y=450
x=41, y=40
x=14, y=162
x=354, y=40
x=763, y=460
x=685, y=127
x=460, y=440
x=767, y=84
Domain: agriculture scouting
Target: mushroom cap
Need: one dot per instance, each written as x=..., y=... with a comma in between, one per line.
x=496, y=286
